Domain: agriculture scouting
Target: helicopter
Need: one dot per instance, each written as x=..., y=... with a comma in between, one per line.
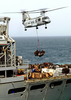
x=29, y=22
x=38, y=21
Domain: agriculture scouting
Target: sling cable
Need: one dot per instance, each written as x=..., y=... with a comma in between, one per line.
x=39, y=52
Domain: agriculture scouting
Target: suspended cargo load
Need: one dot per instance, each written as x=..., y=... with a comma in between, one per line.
x=39, y=53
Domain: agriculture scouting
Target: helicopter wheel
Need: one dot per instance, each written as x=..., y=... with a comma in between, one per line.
x=45, y=27
x=25, y=29
x=36, y=27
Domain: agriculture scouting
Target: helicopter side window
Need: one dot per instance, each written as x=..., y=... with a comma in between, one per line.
x=43, y=18
x=38, y=19
x=35, y=20
x=28, y=22
x=32, y=22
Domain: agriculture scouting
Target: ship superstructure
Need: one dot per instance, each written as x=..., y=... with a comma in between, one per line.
x=8, y=58
x=9, y=65
x=24, y=81
x=7, y=44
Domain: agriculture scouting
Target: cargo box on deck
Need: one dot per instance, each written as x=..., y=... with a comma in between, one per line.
x=38, y=75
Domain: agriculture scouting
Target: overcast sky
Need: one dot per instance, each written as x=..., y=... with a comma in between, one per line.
x=60, y=19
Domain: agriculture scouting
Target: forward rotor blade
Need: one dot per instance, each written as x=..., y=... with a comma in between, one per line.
x=43, y=9
x=10, y=12
x=35, y=11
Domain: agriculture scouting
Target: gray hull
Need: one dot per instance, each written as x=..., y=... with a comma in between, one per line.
x=36, y=89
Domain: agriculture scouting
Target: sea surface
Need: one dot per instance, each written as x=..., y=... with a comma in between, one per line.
x=58, y=49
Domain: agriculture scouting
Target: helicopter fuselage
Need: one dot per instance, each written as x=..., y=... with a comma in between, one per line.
x=34, y=22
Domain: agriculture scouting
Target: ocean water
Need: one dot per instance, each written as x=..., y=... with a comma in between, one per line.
x=58, y=49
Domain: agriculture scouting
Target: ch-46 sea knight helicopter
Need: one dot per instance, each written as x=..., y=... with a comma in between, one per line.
x=37, y=21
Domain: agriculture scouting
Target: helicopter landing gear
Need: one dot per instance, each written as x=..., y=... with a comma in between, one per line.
x=45, y=27
x=36, y=27
x=25, y=29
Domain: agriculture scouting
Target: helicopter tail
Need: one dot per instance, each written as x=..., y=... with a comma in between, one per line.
x=25, y=17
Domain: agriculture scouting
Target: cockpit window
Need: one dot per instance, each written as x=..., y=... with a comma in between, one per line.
x=45, y=18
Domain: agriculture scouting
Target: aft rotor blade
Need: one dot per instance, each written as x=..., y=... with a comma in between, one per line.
x=10, y=12
x=44, y=11
x=55, y=9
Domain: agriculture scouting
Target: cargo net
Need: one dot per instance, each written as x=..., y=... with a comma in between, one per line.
x=39, y=52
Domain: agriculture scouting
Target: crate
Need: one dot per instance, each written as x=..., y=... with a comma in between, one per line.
x=38, y=70
x=33, y=75
x=50, y=73
x=38, y=75
x=44, y=75
x=47, y=75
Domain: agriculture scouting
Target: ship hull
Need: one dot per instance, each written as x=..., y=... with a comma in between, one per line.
x=37, y=89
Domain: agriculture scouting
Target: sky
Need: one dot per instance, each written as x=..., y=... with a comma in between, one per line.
x=60, y=19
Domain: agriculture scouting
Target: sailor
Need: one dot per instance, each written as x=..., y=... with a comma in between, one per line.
x=33, y=70
x=20, y=71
